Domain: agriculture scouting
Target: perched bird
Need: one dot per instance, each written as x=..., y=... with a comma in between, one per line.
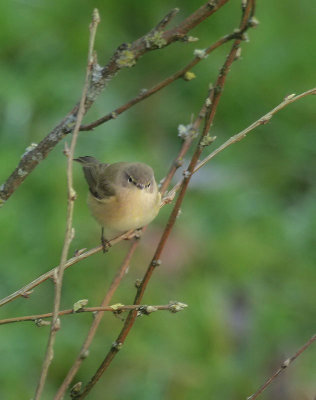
x=122, y=196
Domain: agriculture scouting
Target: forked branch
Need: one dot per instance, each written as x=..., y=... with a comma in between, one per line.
x=145, y=93
x=173, y=306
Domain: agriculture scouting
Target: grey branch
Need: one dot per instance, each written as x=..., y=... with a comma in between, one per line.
x=173, y=307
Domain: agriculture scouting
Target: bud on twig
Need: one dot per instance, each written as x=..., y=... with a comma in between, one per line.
x=78, y=306
x=75, y=390
x=176, y=306
x=41, y=322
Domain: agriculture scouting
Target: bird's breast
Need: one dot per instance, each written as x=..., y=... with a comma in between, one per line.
x=130, y=209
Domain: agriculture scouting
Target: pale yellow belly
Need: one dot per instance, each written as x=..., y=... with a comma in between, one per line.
x=132, y=209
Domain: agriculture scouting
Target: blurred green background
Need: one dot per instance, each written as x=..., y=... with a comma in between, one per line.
x=242, y=254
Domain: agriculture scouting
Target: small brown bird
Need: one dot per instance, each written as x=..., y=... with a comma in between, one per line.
x=122, y=196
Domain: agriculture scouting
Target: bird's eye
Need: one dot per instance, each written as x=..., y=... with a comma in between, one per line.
x=130, y=179
x=148, y=185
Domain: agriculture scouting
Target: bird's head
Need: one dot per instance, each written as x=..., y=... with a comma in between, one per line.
x=140, y=176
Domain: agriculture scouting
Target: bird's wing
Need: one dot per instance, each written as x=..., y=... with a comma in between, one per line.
x=96, y=177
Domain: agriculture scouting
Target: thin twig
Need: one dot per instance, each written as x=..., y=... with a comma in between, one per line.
x=212, y=103
x=173, y=306
x=261, y=121
x=58, y=278
x=124, y=57
x=26, y=290
x=144, y=94
x=283, y=366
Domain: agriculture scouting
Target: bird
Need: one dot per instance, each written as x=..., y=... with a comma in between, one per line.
x=122, y=196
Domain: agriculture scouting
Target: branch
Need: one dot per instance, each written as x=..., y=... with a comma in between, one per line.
x=145, y=93
x=125, y=56
x=173, y=306
x=284, y=365
x=261, y=121
x=58, y=278
x=211, y=104
x=26, y=290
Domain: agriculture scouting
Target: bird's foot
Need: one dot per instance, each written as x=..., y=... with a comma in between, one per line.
x=104, y=242
x=105, y=245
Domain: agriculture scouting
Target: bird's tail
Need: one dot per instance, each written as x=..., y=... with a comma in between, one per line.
x=85, y=160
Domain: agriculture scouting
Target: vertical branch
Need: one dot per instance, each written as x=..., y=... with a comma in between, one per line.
x=211, y=104
x=58, y=277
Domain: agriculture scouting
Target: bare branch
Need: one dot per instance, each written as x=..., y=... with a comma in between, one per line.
x=58, y=278
x=284, y=365
x=173, y=307
x=261, y=121
x=144, y=94
x=124, y=57
x=25, y=290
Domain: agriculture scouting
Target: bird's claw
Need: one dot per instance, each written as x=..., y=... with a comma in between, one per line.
x=105, y=245
x=104, y=242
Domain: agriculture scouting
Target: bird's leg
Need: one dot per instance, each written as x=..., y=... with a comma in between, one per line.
x=104, y=242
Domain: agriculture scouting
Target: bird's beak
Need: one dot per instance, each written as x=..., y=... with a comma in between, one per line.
x=140, y=186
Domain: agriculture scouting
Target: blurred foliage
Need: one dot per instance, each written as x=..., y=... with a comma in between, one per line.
x=243, y=252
